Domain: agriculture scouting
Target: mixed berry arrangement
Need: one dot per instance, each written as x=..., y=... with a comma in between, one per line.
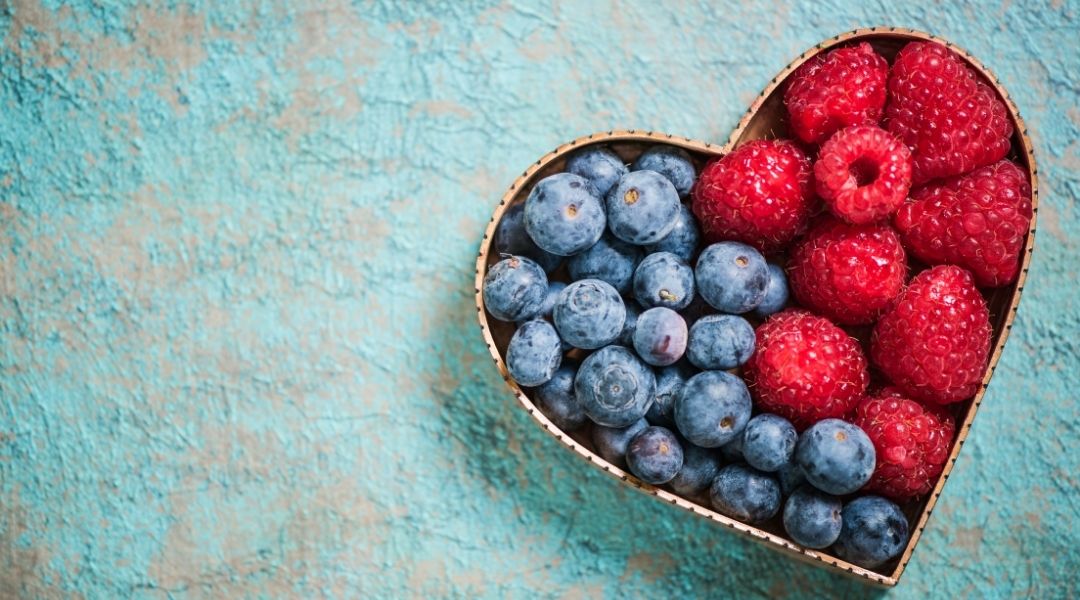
x=784, y=334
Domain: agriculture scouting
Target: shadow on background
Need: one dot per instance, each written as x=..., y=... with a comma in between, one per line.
x=587, y=529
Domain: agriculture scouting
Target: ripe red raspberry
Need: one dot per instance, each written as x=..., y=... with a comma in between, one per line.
x=840, y=88
x=863, y=173
x=848, y=273
x=934, y=342
x=805, y=369
x=911, y=443
x=977, y=221
x=761, y=194
x=947, y=116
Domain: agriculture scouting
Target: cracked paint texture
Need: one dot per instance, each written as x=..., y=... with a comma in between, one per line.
x=238, y=348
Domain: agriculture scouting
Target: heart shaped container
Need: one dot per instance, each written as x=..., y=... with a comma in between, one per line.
x=765, y=118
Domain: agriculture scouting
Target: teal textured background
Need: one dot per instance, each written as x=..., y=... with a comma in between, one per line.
x=239, y=355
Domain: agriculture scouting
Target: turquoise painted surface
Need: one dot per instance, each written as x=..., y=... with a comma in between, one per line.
x=238, y=352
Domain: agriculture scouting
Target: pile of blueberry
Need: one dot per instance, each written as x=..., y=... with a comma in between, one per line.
x=644, y=339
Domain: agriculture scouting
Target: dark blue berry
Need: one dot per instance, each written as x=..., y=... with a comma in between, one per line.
x=836, y=456
x=614, y=387
x=769, y=442
x=534, y=353
x=556, y=399
x=515, y=289
x=654, y=455
x=599, y=165
x=874, y=530
x=663, y=279
x=791, y=477
x=564, y=214
x=812, y=517
x=671, y=162
x=554, y=288
x=746, y=494
x=660, y=336
x=512, y=238
x=700, y=466
x=697, y=309
x=611, y=442
x=626, y=336
x=642, y=208
x=669, y=384
x=720, y=342
x=712, y=409
x=732, y=277
x=732, y=451
x=589, y=314
x=611, y=260
x=776, y=293
x=683, y=239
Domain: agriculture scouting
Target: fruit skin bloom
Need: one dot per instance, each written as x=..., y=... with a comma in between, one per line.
x=761, y=194
x=934, y=342
x=912, y=443
x=805, y=368
x=863, y=173
x=830, y=91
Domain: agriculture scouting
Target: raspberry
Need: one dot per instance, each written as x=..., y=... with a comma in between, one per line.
x=830, y=91
x=977, y=221
x=863, y=173
x=911, y=444
x=934, y=342
x=848, y=273
x=949, y=118
x=805, y=369
x=761, y=194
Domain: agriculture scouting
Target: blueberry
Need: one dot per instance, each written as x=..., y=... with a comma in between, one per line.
x=626, y=336
x=534, y=353
x=732, y=451
x=697, y=309
x=720, y=342
x=874, y=530
x=611, y=442
x=683, y=239
x=769, y=442
x=791, y=477
x=669, y=384
x=564, y=214
x=515, y=289
x=614, y=387
x=589, y=314
x=671, y=162
x=556, y=399
x=512, y=238
x=663, y=279
x=745, y=494
x=642, y=208
x=660, y=336
x=554, y=288
x=812, y=518
x=655, y=455
x=712, y=409
x=611, y=260
x=700, y=466
x=836, y=456
x=732, y=277
x=599, y=165
x=776, y=293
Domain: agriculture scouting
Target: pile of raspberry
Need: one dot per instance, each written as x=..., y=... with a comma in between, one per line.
x=897, y=206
